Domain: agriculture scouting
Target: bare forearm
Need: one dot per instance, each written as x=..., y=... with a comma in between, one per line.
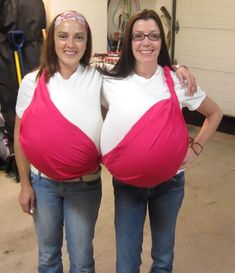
x=213, y=115
x=208, y=128
x=21, y=161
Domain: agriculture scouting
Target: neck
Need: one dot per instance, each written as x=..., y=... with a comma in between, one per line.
x=66, y=72
x=145, y=71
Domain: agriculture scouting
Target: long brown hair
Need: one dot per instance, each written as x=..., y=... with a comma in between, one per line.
x=49, y=60
x=126, y=62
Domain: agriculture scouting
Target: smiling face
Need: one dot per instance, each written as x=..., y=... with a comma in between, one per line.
x=146, y=52
x=70, y=39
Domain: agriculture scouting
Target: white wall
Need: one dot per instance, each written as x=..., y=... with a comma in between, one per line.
x=47, y=4
x=95, y=12
x=205, y=43
x=148, y=4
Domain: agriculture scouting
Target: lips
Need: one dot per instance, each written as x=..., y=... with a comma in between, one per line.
x=146, y=51
x=71, y=53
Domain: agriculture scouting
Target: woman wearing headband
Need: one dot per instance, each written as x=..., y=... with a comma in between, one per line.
x=57, y=133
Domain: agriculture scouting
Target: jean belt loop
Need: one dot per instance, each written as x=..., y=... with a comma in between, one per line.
x=38, y=176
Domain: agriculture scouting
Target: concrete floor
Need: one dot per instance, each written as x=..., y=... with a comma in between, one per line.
x=205, y=240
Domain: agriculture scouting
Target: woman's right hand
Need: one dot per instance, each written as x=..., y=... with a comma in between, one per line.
x=27, y=199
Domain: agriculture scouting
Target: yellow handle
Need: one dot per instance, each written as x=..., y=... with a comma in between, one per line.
x=44, y=34
x=18, y=70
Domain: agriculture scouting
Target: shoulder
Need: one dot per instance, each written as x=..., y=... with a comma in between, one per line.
x=30, y=78
x=25, y=92
x=91, y=70
x=28, y=83
x=175, y=79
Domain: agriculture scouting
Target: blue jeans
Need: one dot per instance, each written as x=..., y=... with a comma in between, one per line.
x=131, y=203
x=73, y=205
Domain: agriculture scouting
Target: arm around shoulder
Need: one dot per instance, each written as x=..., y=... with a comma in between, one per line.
x=184, y=75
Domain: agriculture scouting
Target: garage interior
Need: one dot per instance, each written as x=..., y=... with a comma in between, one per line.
x=205, y=240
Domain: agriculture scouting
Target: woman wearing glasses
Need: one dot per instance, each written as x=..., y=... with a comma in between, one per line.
x=57, y=134
x=144, y=142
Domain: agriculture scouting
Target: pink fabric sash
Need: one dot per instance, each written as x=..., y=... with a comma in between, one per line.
x=51, y=143
x=154, y=148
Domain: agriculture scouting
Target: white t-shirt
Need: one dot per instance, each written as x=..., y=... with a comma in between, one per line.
x=129, y=98
x=77, y=98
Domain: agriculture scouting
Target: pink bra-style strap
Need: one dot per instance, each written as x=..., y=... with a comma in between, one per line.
x=41, y=85
x=170, y=83
x=42, y=81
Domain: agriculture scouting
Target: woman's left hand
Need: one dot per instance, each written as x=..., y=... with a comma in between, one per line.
x=189, y=158
x=184, y=75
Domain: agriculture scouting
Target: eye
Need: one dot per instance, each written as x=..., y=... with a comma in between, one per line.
x=62, y=36
x=80, y=36
x=137, y=36
x=155, y=36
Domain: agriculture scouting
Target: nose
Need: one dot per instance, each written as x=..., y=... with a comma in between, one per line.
x=146, y=40
x=70, y=42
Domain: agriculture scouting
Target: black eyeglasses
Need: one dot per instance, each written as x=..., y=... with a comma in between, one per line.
x=141, y=36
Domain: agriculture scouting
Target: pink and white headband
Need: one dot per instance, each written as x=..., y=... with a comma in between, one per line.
x=72, y=15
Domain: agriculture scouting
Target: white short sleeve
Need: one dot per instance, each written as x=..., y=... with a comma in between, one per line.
x=190, y=102
x=25, y=93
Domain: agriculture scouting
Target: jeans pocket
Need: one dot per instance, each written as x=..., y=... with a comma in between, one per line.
x=179, y=180
x=34, y=178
